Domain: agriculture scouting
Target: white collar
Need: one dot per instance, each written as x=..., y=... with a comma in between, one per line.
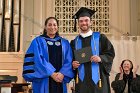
x=89, y=33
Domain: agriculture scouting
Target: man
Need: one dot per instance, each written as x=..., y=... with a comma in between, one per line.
x=91, y=76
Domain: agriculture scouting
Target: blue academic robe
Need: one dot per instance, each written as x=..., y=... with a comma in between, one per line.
x=37, y=68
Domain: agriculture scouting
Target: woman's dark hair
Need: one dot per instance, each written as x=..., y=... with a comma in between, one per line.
x=129, y=62
x=46, y=22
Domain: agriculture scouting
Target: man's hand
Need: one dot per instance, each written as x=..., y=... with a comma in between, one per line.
x=95, y=59
x=75, y=64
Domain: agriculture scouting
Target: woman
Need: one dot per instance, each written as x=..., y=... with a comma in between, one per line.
x=48, y=60
x=127, y=81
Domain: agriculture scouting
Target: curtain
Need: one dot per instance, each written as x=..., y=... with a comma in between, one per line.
x=126, y=47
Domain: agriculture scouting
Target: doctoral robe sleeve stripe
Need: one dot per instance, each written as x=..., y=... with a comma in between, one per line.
x=29, y=55
x=28, y=63
x=42, y=68
x=29, y=59
x=28, y=71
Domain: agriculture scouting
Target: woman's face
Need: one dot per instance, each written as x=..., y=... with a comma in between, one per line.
x=127, y=66
x=51, y=27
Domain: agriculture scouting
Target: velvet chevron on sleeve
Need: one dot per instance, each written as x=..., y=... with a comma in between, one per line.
x=35, y=64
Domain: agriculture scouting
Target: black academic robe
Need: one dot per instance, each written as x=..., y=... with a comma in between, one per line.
x=106, y=52
x=133, y=83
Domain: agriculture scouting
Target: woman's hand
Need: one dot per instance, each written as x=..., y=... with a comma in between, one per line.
x=134, y=70
x=59, y=77
x=121, y=73
x=54, y=75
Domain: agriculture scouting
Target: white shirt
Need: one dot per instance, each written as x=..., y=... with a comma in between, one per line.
x=89, y=33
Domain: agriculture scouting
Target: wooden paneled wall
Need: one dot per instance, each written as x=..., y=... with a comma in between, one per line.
x=11, y=64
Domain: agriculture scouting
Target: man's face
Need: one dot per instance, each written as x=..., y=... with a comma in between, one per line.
x=84, y=24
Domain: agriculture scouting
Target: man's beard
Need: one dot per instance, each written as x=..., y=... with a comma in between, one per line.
x=85, y=28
